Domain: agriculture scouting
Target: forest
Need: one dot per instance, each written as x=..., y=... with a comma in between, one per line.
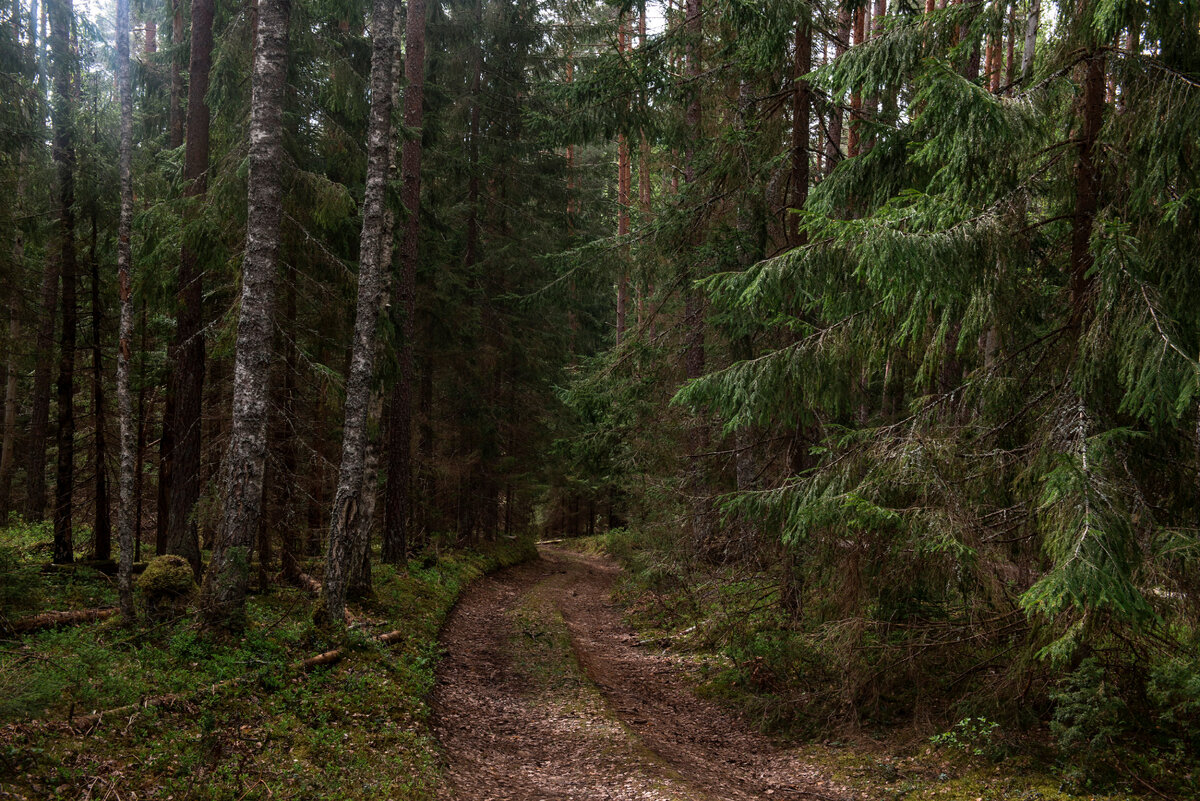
x=354, y=351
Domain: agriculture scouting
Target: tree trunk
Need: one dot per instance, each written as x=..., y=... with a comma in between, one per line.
x=693, y=315
x=1031, y=31
x=398, y=502
x=801, y=106
x=833, y=147
x=10, y=388
x=188, y=374
x=61, y=15
x=623, y=186
x=852, y=141
x=39, y=417
x=125, y=482
x=1087, y=181
x=223, y=595
x=344, y=517
x=175, y=112
x=102, y=530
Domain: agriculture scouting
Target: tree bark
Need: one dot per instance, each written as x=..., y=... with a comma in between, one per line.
x=175, y=112
x=833, y=147
x=102, y=529
x=223, y=594
x=10, y=388
x=1087, y=181
x=623, y=186
x=346, y=504
x=801, y=109
x=125, y=482
x=39, y=417
x=398, y=502
x=852, y=141
x=693, y=315
x=1031, y=31
x=61, y=17
x=188, y=374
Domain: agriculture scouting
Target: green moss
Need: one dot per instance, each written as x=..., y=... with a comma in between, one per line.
x=355, y=730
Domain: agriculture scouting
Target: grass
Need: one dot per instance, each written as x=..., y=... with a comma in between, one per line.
x=357, y=729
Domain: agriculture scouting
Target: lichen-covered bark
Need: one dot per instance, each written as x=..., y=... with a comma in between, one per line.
x=125, y=497
x=223, y=595
x=347, y=501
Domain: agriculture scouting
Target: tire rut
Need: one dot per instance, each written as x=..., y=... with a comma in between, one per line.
x=544, y=694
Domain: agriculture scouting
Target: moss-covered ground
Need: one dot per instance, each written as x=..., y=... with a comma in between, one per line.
x=356, y=729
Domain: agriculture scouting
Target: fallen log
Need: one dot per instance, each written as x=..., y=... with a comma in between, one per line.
x=293, y=574
x=49, y=620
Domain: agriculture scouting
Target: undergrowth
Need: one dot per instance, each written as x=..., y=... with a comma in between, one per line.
x=356, y=729
x=1104, y=727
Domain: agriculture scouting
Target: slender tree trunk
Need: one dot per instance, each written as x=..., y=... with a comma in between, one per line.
x=1031, y=31
x=833, y=146
x=188, y=374
x=693, y=315
x=102, y=530
x=398, y=502
x=1087, y=180
x=175, y=122
x=623, y=187
x=125, y=482
x=852, y=142
x=39, y=417
x=7, y=461
x=223, y=595
x=346, y=504
x=801, y=109
x=61, y=16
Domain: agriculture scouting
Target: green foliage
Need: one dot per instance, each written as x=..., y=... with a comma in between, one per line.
x=975, y=736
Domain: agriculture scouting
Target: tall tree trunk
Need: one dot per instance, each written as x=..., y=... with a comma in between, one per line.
x=852, y=141
x=223, y=595
x=623, y=186
x=693, y=315
x=175, y=112
x=102, y=530
x=125, y=482
x=1090, y=74
x=9, y=441
x=61, y=17
x=188, y=374
x=833, y=146
x=1031, y=31
x=39, y=417
x=801, y=109
x=347, y=501
x=398, y=502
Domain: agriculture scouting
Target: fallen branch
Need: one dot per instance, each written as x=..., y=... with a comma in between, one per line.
x=49, y=620
x=93, y=721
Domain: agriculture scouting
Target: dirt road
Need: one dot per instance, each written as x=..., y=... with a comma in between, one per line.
x=544, y=694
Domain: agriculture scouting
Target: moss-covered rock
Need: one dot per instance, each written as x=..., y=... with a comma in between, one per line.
x=167, y=582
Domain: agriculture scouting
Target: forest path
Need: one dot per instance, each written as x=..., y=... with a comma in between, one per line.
x=544, y=694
